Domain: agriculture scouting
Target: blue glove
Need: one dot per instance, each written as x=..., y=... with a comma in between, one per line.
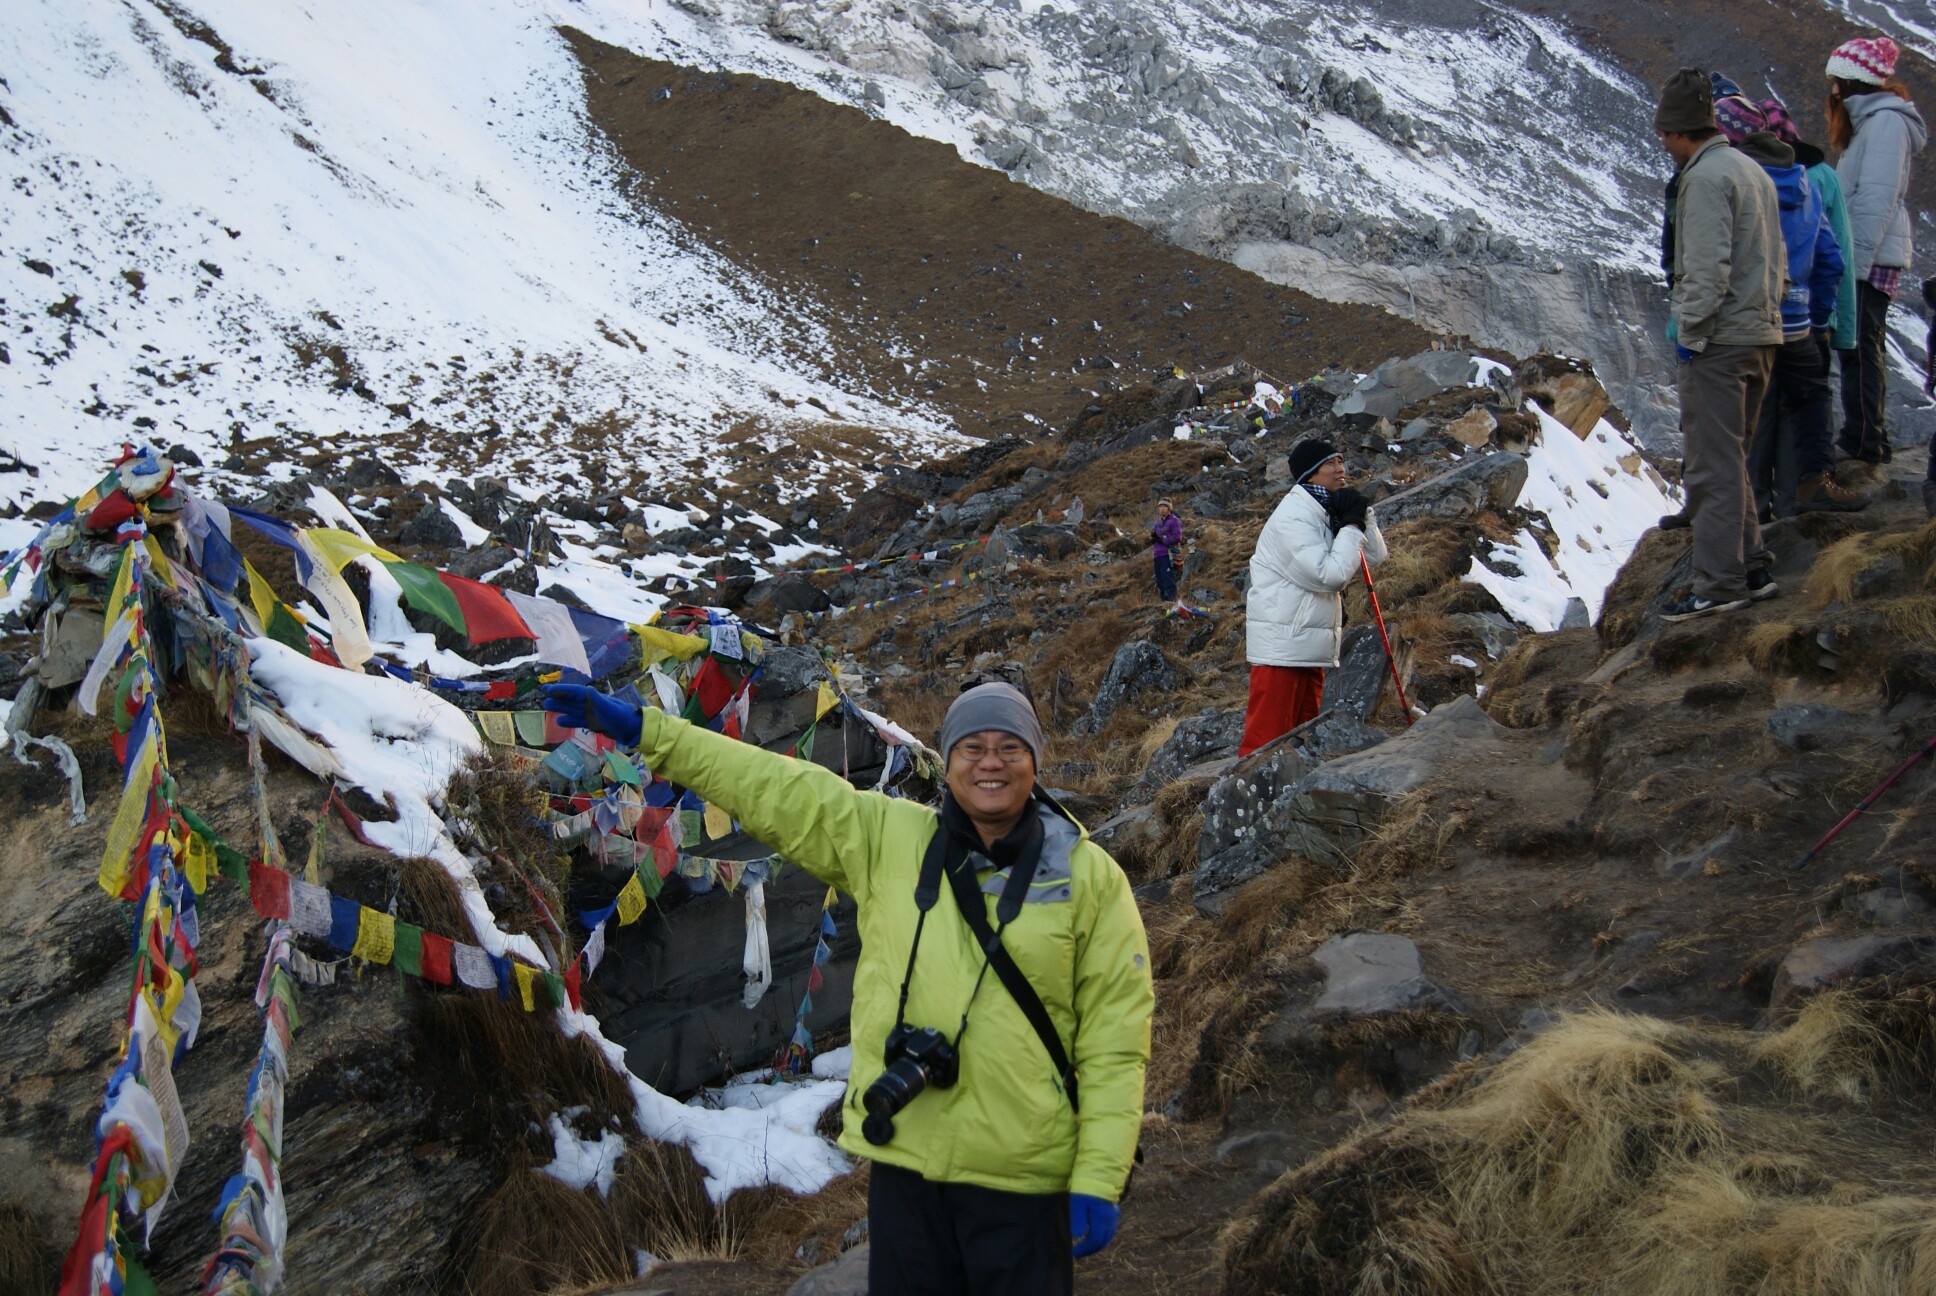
x=1682, y=354
x=1092, y=1223
x=581, y=707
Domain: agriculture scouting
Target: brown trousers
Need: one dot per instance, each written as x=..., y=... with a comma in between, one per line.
x=1721, y=390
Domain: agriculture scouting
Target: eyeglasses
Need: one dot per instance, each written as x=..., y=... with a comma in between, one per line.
x=1011, y=753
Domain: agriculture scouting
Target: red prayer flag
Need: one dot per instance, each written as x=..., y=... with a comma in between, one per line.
x=572, y=979
x=268, y=890
x=555, y=733
x=488, y=615
x=501, y=690
x=436, y=958
x=711, y=687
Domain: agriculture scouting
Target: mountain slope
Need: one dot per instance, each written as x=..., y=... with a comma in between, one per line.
x=328, y=227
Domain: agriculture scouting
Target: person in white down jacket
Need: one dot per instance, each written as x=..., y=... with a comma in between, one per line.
x=1306, y=554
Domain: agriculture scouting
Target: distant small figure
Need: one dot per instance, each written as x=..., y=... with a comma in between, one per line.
x=1166, y=536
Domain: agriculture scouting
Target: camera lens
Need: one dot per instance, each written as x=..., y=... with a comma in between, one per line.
x=895, y=1087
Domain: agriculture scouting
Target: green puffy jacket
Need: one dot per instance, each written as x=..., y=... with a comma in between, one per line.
x=1005, y=1123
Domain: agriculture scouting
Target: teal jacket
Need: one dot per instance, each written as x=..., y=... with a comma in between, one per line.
x=1836, y=207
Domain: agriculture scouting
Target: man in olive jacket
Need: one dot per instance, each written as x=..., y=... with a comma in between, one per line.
x=981, y=1185
x=1730, y=274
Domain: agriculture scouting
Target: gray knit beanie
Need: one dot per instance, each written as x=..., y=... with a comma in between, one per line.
x=996, y=706
x=1686, y=103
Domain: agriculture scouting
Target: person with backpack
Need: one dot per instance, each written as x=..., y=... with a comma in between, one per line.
x=1879, y=131
x=1816, y=489
x=993, y=1169
x=1166, y=538
x=1791, y=438
x=1308, y=551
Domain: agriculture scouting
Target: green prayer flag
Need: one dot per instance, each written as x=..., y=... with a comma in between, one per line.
x=805, y=748
x=530, y=726
x=554, y=989
x=649, y=879
x=424, y=592
x=408, y=954
x=621, y=768
x=286, y=630
x=137, y=1282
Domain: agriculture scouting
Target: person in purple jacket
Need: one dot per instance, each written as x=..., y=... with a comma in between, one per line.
x=1165, y=536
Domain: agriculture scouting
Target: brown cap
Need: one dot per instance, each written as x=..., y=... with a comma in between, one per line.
x=1686, y=103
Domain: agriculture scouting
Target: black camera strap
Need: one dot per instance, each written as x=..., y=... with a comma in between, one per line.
x=968, y=898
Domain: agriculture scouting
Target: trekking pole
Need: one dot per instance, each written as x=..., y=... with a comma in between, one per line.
x=1925, y=750
x=1390, y=660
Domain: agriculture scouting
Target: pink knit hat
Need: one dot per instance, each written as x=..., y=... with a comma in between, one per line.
x=1870, y=60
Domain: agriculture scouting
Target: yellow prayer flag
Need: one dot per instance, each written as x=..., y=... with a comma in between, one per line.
x=718, y=822
x=196, y=857
x=336, y=547
x=498, y=727
x=828, y=700
x=261, y=597
x=682, y=646
x=159, y=561
x=631, y=901
x=123, y=581
x=376, y=936
x=525, y=974
x=833, y=898
x=125, y=831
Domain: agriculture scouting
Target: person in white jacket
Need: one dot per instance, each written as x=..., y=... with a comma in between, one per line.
x=1306, y=554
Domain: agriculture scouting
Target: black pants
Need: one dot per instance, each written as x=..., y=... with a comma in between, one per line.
x=1863, y=372
x=943, y=1239
x=1165, y=578
x=1792, y=439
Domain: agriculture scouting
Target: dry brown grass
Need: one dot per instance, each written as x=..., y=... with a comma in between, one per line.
x=1779, y=645
x=1611, y=1154
x=27, y=1263
x=790, y=1223
x=431, y=900
x=1872, y=557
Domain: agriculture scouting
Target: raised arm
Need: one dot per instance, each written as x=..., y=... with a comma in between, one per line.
x=806, y=812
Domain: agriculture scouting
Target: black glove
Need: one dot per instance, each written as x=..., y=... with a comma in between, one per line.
x=1348, y=508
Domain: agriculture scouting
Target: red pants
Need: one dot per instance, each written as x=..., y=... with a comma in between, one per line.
x=1281, y=699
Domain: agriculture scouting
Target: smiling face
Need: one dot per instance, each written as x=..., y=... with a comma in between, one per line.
x=990, y=776
x=1330, y=474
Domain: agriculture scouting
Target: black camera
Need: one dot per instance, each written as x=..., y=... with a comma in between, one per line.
x=916, y=1058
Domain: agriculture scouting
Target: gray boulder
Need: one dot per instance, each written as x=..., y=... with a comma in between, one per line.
x=1235, y=844
x=1371, y=972
x=846, y=1276
x=1817, y=965
x=1806, y=726
x=432, y=528
x=1491, y=482
x=1325, y=813
x=1138, y=667
x=1394, y=385
x=1197, y=739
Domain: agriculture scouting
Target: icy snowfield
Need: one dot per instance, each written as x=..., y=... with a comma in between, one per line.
x=204, y=200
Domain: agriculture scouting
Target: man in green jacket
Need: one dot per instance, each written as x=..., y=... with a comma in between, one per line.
x=1730, y=274
x=993, y=1169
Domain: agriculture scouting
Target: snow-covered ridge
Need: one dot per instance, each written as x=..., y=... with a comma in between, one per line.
x=1495, y=137
x=240, y=219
